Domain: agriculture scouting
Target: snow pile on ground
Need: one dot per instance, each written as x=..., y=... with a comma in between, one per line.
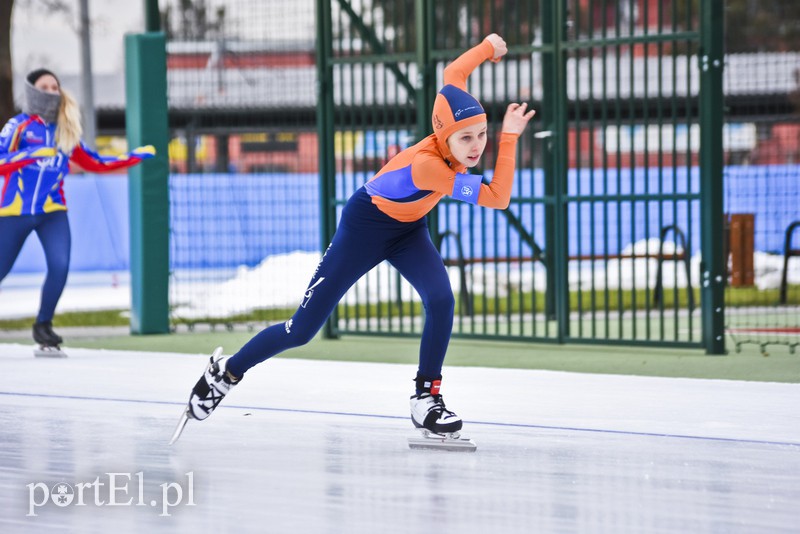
x=280, y=281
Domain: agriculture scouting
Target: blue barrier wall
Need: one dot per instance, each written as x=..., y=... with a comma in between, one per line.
x=98, y=219
x=227, y=220
x=595, y=228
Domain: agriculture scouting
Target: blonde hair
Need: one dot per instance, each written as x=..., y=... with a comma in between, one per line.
x=69, y=129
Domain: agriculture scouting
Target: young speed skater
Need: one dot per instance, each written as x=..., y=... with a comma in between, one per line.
x=36, y=149
x=385, y=220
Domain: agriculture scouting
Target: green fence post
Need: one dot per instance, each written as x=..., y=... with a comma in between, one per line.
x=146, y=121
x=325, y=133
x=426, y=85
x=152, y=16
x=554, y=167
x=549, y=152
x=426, y=79
x=711, y=183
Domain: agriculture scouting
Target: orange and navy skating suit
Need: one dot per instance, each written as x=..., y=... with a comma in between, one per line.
x=385, y=221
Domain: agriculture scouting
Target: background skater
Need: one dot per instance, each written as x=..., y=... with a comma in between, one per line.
x=37, y=147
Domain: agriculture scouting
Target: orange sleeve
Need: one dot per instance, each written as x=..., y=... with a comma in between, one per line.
x=457, y=72
x=497, y=194
x=429, y=172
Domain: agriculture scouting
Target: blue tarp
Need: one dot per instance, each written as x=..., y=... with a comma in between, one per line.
x=227, y=220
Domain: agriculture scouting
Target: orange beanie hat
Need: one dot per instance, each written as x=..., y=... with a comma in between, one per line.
x=454, y=109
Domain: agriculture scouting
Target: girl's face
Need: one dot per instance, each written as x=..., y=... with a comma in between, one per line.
x=467, y=144
x=47, y=84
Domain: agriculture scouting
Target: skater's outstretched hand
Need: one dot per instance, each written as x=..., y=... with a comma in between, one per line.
x=500, y=48
x=516, y=118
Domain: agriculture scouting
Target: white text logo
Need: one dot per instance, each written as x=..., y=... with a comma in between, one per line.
x=118, y=490
x=460, y=111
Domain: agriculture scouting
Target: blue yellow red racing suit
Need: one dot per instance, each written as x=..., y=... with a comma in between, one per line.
x=34, y=169
x=32, y=198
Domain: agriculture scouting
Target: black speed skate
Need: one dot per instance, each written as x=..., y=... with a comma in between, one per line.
x=208, y=392
x=49, y=342
x=439, y=426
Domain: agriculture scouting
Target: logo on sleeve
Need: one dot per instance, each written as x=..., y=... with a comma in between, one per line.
x=466, y=191
x=32, y=139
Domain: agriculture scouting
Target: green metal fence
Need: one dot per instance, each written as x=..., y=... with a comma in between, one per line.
x=602, y=240
x=762, y=175
x=657, y=167
x=243, y=159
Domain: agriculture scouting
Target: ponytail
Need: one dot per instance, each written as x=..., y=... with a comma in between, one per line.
x=69, y=130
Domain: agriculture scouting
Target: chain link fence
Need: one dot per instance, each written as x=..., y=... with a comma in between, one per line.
x=244, y=194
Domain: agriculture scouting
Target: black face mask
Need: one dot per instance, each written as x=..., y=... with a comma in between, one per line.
x=41, y=103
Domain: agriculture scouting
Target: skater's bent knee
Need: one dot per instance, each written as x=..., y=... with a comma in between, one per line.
x=58, y=267
x=442, y=300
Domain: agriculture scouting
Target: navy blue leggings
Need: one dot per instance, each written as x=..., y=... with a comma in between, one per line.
x=365, y=237
x=54, y=234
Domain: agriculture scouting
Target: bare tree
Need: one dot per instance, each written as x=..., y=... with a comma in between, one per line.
x=7, y=108
x=762, y=25
x=6, y=74
x=190, y=20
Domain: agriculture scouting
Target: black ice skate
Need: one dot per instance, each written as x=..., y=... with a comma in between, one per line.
x=49, y=342
x=439, y=426
x=207, y=393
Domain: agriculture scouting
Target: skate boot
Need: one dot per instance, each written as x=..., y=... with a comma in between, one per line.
x=49, y=342
x=428, y=410
x=212, y=387
x=439, y=426
x=208, y=392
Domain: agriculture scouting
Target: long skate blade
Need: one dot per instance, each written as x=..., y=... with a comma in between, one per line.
x=179, y=429
x=49, y=352
x=443, y=444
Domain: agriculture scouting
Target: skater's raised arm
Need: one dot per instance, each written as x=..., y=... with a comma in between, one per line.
x=91, y=161
x=493, y=47
x=412, y=182
x=497, y=194
x=466, y=147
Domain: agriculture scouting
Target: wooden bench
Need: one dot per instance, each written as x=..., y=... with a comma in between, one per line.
x=788, y=252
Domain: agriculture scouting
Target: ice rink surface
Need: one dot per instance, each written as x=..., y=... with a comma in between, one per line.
x=321, y=447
